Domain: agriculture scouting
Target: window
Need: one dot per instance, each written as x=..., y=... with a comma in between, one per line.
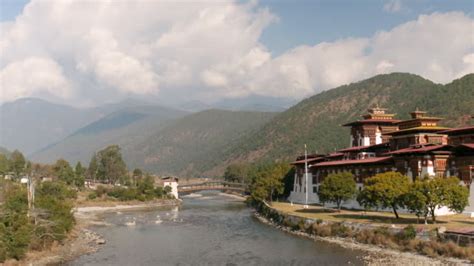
x=315, y=189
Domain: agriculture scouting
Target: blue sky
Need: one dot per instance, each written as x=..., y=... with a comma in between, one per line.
x=308, y=22
x=88, y=52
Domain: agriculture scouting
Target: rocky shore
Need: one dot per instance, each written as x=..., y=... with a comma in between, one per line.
x=374, y=255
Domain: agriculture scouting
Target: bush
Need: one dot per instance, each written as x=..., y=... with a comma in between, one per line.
x=407, y=233
x=92, y=195
x=55, y=217
x=15, y=228
x=322, y=230
x=340, y=230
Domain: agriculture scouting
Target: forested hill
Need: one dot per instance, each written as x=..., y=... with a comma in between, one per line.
x=317, y=120
x=192, y=144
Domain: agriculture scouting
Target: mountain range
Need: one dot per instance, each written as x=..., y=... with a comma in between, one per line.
x=189, y=141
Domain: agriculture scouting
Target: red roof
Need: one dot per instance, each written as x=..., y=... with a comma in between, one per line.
x=458, y=130
x=357, y=148
x=336, y=154
x=418, y=149
x=370, y=121
x=469, y=145
x=309, y=160
x=361, y=161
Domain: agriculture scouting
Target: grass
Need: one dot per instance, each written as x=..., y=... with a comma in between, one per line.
x=455, y=221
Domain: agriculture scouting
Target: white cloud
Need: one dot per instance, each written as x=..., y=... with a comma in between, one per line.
x=33, y=76
x=393, y=6
x=98, y=51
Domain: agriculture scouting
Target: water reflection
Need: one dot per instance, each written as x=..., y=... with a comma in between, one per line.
x=208, y=229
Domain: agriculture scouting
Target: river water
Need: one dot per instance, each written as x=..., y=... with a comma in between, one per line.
x=208, y=229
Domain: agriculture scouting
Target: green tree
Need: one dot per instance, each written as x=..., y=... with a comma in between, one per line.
x=17, y=163
x=236, y=173
x=63, y=171
x=15, y=228
x=267, y=181
x=386, y=190
x=54, y=202
x=428, y=194
x=137, y=175
x=79, y=175
x=111, y=167
x=4, y=165
x=91, y=172
x=337, y=188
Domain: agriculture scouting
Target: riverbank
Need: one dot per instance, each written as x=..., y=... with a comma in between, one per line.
x=376, y=254
x=82, y=240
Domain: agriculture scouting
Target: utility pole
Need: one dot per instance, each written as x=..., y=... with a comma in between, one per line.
x=306, y=176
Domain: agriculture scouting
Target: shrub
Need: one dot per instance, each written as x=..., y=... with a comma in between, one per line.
x=340, y=230
x=322, y=230
x=407, y=233
x=92, y=195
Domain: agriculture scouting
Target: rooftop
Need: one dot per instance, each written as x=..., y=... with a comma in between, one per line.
x=361, y=161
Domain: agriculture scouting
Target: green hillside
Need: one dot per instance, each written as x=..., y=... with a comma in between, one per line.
x=316, y=121
x=194, y=143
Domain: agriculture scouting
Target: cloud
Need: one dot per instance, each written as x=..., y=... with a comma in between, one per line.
x=86, y=51
x=393, y=6
x=33, y=76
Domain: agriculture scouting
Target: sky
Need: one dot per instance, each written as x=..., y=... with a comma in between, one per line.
x=87, y=53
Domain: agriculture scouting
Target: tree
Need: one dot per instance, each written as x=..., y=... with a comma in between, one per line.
x=137, y=175
x=111, y=166
x=236, y=173
x=91, y=172
x=337, y=188
x=267, y=181
x=79, y=177
x=4, y=165
x=17, y=163
x=428, y=194
x=386, y=190
x=63, y=171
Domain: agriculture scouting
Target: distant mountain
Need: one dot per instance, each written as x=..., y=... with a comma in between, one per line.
x=195, y=142
x=317, y=121
x=194, y=106
x=28, y=124
x=31, y=124
x=124, y=127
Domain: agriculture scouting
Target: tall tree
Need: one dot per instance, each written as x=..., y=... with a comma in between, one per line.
x=386, y=190
x=428, y=194
x=63, y=171
x=17, y=163
x=267, y=181
x=79, y=177
x=337, y=188
x=4, y=165
x=93, y=166
x=137, y=175
x=236, y=173
x=111, y=166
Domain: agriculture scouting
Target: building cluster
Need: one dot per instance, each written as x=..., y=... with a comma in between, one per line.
x=416, y=147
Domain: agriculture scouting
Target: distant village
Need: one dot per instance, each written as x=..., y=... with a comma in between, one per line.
x=416, y=147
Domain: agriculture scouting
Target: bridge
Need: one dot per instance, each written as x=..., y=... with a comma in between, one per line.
x=212, y=185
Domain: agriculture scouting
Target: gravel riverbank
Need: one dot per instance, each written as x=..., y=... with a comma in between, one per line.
x=375, y=255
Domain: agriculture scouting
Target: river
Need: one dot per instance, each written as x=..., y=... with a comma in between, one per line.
x=208, y=229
